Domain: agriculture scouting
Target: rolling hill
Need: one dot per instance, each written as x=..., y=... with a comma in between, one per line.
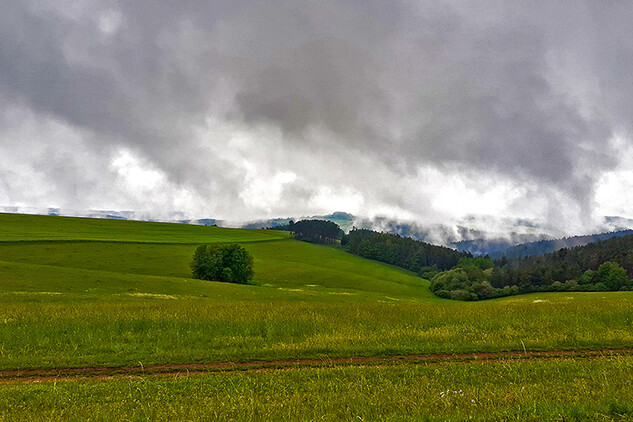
x=113, y=300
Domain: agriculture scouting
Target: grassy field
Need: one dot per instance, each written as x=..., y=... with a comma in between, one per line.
x=106, y=293
x=558, y=390
x=20, y=227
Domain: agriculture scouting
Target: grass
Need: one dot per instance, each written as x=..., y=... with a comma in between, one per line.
x=84, y=292
x=554, y=390
x=280, y=263
x=29, y=228
x=157, y=329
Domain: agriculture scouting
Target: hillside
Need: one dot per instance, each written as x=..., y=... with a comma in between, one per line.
x=401, y=251
x=55, y=247
x=543, y=247
x=604, y=265
x=109, y=307
x=568, y=263
x=480, y=247
x=29, y=228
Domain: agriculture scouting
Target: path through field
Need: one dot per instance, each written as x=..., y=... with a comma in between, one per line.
x=41, y=375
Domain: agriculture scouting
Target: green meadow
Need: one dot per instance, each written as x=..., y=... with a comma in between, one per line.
x=79, y=293
x=558, y=390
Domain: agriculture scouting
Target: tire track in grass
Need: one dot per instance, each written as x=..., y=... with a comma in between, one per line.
x=42, y=375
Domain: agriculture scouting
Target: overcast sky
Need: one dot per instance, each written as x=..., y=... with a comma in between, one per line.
x=423, y=110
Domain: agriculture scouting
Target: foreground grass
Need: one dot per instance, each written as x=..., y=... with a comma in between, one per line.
x=158, y=329
x=553, y=390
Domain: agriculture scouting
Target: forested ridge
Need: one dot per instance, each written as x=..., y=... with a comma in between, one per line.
x=404, y=252
x=542, y=247
x=605, y=265
x=567, y=264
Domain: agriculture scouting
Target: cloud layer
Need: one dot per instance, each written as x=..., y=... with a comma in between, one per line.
x=426, y=110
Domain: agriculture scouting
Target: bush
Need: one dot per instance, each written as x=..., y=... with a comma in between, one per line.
x=455, y=279
x=463, y=295
x=613, y=275
x=509, y=291
x=229, y=263
x=600, y=287
x=484, y=290
x=429, y=272
x=444, y=294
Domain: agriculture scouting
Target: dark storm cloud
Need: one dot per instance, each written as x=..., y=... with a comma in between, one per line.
x=531, y=91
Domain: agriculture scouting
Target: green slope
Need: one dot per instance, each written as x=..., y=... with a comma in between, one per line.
x=69, y=299
x=19, y=227
x=165, y=251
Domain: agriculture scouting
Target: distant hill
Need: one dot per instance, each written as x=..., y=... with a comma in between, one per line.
x=496, y=245
x=542, y=247
x=479, y=235
x=344, y=220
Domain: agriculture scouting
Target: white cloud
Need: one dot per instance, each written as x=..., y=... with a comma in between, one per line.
x=614, y=190
x=328, y=199
x=135, y=175
x=471, y=193
x=429, y=111
x=262, y=191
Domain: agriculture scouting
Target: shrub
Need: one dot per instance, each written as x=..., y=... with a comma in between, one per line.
x=463, y=295
x=444, y=294
x=484, y=290
x=229, y=263
x=455, y=279
x=613, y=275
x=600, y=287
x=429, y=272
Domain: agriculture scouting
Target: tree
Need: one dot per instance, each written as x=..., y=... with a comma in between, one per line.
x=402, y=251
x=613, y=275
x=318, y=231
x=588, y=277
x=229, y=263
x=479, y=262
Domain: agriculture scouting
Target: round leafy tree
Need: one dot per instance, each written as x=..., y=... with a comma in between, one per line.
x=230, y=263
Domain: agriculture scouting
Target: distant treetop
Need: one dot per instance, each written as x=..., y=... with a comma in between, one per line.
x=317, y=231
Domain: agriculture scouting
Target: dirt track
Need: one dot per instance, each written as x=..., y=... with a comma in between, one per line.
x=41, y=375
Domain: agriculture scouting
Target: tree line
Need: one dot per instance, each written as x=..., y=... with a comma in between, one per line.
x=601, y=266
x=579, y=265
x=316, y=231
x=420, y=257
x=542, y=247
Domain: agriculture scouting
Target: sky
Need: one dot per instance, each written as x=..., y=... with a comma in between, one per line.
x=428, y=111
